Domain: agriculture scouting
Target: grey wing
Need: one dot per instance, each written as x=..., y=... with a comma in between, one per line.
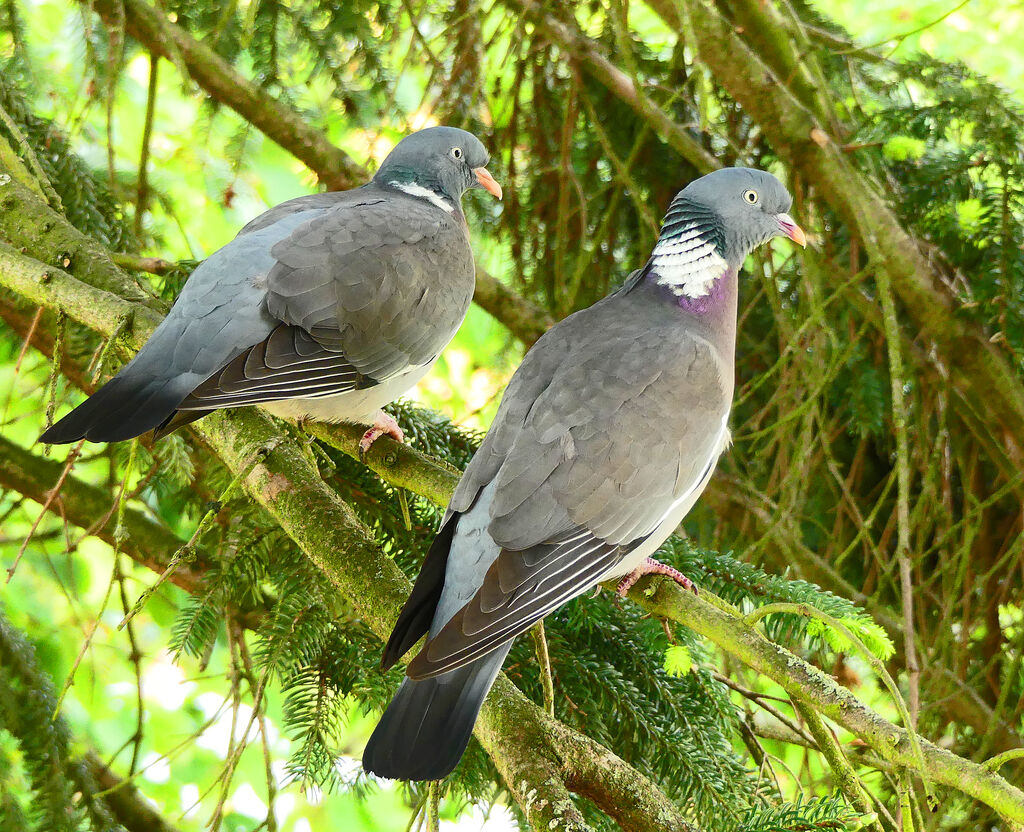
x=621, y=432
x=300, y=204
x=365, y=290
x=288, y=364
x=387, y=285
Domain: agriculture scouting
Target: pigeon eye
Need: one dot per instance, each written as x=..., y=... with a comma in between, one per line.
x=456, y=152
x=751, y=196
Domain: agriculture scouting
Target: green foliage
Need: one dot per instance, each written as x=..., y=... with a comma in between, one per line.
x=26, y=710
x=14, y=786
x=811, y=471
x=823, y=813
x=678, y=660
x=965, y=136
x=85, y=200
x=748, y=587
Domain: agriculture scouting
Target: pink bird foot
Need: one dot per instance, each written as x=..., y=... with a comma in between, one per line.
x=384, y=424
x=650, y=566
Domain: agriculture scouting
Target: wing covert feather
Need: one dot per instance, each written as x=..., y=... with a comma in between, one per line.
x=387, y=284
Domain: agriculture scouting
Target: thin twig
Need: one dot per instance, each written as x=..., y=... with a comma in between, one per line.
x=142, y=191
x=187, y=552
x=50, y=497
x=899, y=407
x=540, y=645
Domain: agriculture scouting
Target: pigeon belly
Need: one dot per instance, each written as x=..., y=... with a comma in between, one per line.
x=356, y=406
x=674, y=516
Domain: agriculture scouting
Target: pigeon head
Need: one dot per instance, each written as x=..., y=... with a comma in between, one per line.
x=438, y=164
x=715, y=222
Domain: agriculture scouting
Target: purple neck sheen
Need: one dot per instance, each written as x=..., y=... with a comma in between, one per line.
x=720, y=301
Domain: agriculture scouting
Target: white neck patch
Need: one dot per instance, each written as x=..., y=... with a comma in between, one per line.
x=425, y=193
x=687, y=263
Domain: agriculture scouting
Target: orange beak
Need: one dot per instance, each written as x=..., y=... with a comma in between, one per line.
x=483, y=176
x=792, y=230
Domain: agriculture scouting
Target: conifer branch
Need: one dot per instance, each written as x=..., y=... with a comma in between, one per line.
x=46, y=745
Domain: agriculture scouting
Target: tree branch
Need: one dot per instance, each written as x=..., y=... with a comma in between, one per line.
x=535, y=760
x=725, y=627
x=147, y=542
x=128, y=805
x=32, y=225
x=522, y=317
x=402, y=466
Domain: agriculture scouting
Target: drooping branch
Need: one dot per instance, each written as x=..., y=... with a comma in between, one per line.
x=974, y=363
x=598, y=65
x=334, y=168
x=80, y=504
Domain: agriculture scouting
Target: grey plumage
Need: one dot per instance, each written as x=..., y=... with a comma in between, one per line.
x=327, y=306
x=606, y=436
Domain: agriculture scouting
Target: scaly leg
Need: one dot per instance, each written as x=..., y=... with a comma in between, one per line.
x=650, y=566
x=383, y=424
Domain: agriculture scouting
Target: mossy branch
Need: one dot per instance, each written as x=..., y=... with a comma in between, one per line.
x=726, y=629
x=401, y=465
x=539, y=763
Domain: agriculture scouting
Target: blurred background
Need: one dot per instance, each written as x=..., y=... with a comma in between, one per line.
x=845, y=467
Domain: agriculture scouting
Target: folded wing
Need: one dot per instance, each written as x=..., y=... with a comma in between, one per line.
x=607, y=433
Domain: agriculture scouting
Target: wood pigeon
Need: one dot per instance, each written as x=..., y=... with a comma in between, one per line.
x=605, y=438
x=326, y=307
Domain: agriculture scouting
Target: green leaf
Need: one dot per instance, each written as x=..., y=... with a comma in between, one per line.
x=678, y=661
x=903, y=149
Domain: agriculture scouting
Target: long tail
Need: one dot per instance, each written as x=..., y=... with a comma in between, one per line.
x=427, y=726
x=127, y=406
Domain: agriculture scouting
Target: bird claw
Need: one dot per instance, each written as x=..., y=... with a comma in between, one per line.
x=384, y=424
x=650, y=566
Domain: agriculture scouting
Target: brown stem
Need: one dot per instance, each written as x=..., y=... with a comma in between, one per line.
x=142, y=191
